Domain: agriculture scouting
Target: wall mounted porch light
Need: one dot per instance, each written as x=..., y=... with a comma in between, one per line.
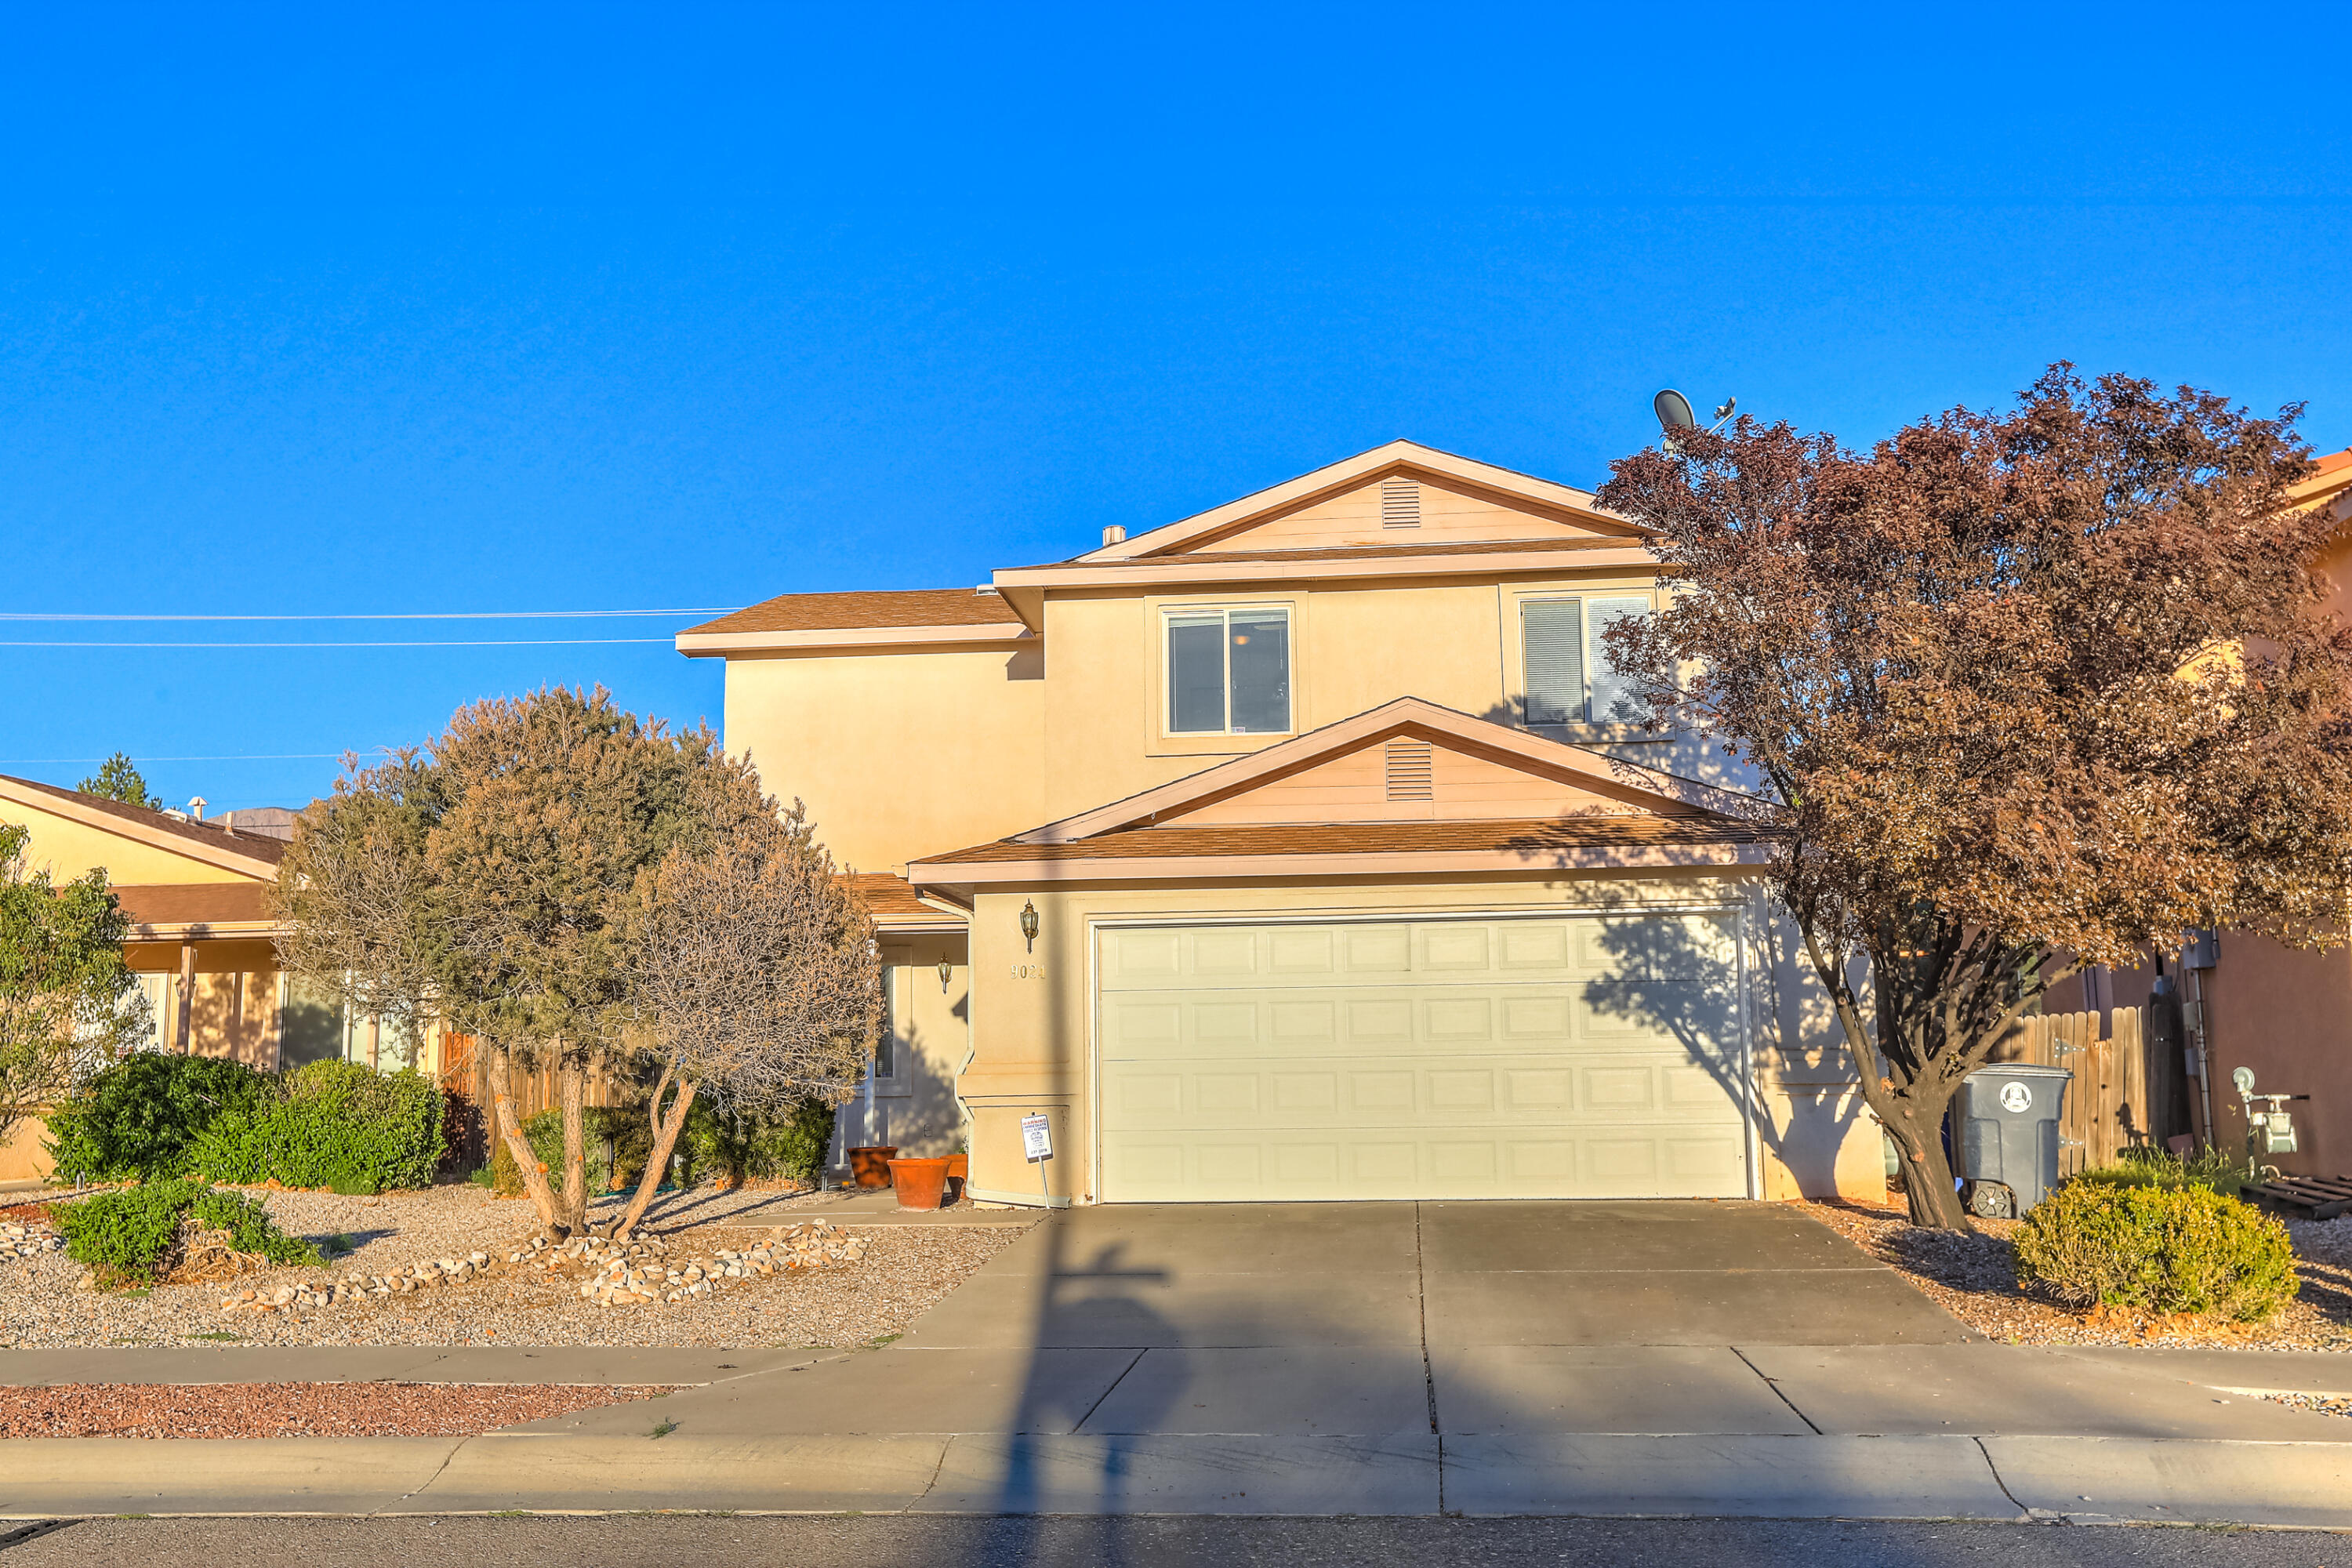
x=946, y=970
x=1029, y=923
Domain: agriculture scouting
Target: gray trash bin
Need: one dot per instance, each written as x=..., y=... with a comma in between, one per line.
x=2007, y=1122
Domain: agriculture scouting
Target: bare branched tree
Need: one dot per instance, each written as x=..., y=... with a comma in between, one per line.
x=756, y=981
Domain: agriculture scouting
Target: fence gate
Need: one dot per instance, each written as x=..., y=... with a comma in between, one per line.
x=2107, y=1102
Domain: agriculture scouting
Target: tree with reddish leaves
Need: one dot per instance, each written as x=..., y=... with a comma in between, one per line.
x=2032, y=690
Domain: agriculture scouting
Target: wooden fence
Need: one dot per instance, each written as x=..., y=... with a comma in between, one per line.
x=466, y=1088
x=2108, y=1105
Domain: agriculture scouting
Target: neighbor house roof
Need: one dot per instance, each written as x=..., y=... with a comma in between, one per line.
x=2330, y=484
x=851, y=620
x=255, y=854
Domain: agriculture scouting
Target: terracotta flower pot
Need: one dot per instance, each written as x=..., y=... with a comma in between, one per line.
x=921, y=1182
x=959, y=1167
x=871, y=1167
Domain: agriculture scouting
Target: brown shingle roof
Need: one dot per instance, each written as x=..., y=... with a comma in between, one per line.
x=254, y=845
x=1532, y=836
x=860, y=612
x=184, y=903
x=887, y=895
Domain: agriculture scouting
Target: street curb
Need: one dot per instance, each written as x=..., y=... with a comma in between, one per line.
x=47, y=1478
x=2081, y=1479
x=1742, y=1476
x=2184, y=1480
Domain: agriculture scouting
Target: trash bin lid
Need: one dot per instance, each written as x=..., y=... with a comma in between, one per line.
x=2021, y=1070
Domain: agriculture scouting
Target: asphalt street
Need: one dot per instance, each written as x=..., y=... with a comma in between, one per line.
x=877, y=1542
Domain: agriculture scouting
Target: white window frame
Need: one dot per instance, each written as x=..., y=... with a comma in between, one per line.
x=1170, y=614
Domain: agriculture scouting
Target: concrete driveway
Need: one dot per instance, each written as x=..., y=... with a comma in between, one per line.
x=1469, y=1321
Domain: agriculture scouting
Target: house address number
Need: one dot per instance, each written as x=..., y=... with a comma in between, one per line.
x=1028, y=972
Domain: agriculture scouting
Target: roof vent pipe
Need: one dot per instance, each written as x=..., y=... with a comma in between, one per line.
x=1114, y=534
x=196, y=808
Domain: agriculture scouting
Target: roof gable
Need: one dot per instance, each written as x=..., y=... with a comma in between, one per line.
x=1376, y=766
x=1402, y=494
x=178, y=840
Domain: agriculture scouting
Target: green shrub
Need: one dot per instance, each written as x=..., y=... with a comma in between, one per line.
x=717, y=1145
x=631, y=1139
x=2159, y=1249
x=137, y=1120
x=756, y=1147
x=128, y=1235
x=331, y=1124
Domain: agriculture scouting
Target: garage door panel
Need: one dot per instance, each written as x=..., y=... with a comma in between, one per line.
x=1205, y=1094
x=1379, y=949
x=1479, y=1058
x=1302, y=951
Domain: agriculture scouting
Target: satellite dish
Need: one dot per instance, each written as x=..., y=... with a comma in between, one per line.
x=1674, y=411
x=2244, y=1079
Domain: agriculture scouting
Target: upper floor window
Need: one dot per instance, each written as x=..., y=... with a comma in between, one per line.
x=1569, y=677
x=1228, y=672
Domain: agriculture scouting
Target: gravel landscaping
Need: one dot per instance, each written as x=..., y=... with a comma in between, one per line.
x=847, y=1295
x=290, y=1409
x=1974, y=1278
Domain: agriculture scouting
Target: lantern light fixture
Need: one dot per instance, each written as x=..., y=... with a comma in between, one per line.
x=1029, y=923
x=947, y=970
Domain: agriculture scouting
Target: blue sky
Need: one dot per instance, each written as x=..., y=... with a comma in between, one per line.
x=490, y=309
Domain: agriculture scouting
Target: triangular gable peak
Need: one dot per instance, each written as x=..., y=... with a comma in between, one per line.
x=1406, y=761
x=73, y=832
x=1399, y=495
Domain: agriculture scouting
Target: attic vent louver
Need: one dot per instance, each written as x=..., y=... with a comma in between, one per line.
x=1410, y=771
x=1400, y=504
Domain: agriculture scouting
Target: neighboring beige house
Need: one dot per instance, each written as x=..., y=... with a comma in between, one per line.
x=196, y=894
x=1300, y=849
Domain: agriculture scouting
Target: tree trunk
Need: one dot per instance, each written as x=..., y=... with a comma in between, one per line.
x=572, y=1085
x=1919, y=1132
x=666, y=1132
x=534, y=1176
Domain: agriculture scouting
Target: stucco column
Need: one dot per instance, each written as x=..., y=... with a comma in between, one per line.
x=184, y=1025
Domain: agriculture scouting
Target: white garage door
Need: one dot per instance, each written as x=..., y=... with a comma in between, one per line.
x=1553, y=1057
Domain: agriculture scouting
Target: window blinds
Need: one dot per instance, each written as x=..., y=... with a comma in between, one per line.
x=1554, y=632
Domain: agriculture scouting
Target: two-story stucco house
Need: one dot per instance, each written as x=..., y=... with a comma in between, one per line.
x=1299, y=850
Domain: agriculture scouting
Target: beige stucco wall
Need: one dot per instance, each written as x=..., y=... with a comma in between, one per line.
x=1032, y=1015
x=2286, y=1013
x=1354, y=647
x=67, y=849
x=904, y=754
x=23, y=1156
x=916, y=1110
x=897, y=754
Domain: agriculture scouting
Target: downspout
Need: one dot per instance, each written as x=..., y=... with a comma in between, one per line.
x=2204, y=1050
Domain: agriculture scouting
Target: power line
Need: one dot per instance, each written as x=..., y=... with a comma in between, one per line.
x=514, y=642
x=394, y=616
x=247, y=757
